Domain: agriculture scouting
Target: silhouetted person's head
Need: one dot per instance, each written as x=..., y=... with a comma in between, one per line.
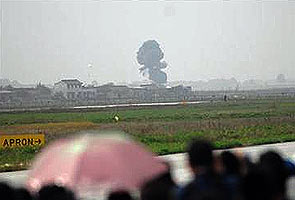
x=256, y=185
x=230, y=162
x=120, y=195
x=165, y=177
x=200, y=155
x=274, y=166
x=6, y=192
x=159, y=188
x=55, y=192
x=206, y=195
x=22, y=194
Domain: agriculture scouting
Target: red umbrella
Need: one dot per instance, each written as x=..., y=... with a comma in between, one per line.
x=94, y=160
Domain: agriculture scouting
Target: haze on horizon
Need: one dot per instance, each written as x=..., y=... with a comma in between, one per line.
x=98, y=40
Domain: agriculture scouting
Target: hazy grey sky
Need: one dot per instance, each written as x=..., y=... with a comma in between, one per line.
x=47, y=41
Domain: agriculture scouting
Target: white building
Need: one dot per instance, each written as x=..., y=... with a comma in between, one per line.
x=69, y=88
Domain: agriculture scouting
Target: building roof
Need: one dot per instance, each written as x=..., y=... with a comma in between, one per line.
x=70, y=81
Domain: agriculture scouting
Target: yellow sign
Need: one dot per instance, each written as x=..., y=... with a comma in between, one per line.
x=21, y=140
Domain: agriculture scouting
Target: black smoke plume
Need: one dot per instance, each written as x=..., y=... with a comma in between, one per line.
x=150, y=55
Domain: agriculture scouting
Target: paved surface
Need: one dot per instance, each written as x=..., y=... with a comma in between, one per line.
x=178, y=162
x=106, y=106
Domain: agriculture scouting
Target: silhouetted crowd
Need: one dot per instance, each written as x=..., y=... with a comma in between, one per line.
x=223, y=176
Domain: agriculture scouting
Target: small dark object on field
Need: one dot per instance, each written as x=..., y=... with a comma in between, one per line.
x=225, y=98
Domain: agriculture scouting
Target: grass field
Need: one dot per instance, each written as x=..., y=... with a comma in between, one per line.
x=163, y=129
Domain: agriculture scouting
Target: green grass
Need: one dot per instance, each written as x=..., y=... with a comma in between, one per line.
x=17, y=158
x=12, y=159
x=243, y=109
x=162, y=129
x=227, y=138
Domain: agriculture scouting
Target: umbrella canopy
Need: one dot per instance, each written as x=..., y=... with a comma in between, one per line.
x=90, y=160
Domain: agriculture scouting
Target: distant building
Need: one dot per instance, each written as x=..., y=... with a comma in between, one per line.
x=110, y=93
x=69, y=88
x=253, y=84
x=68, y=84
x=70, y=92
x=272, y=84
x=281, y=78
x=18, y=97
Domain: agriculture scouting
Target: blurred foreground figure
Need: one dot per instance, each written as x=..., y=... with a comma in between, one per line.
x=93, y=163
x=6, y=192
x=160, y=188
x=22, y=194
x=267, y=180
x=256, y=185
x=290, y=188
x=231, y=173
x=206, y=184
x=120, y=195
x=274, y=167
x=54, y=192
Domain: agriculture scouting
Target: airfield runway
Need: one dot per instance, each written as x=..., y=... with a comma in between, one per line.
x=178, y=162
x=97, y=107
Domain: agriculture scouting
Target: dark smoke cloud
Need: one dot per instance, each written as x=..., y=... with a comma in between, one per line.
x=150, y=55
